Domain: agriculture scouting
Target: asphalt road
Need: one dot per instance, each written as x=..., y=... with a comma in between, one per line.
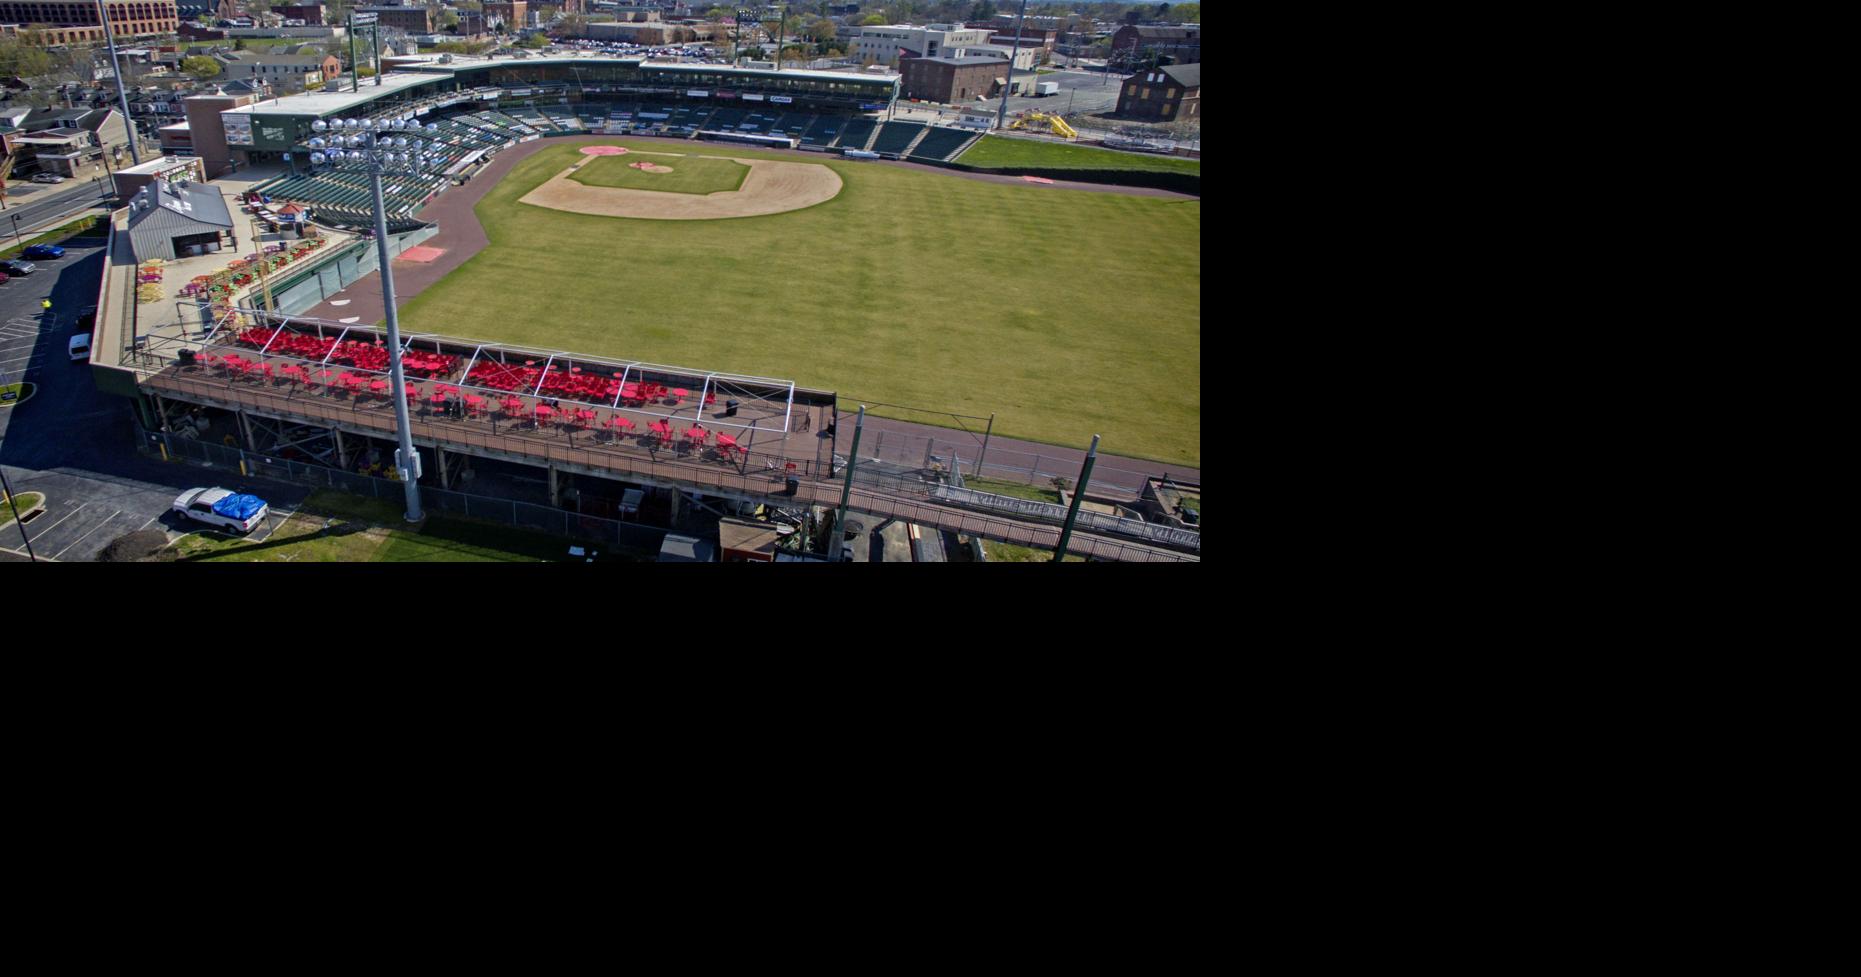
x=29, y=205
x=74, y=443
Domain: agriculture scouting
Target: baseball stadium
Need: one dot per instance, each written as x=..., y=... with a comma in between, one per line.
x=570, y=227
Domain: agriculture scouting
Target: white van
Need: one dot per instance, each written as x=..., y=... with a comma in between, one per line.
x=80, y=348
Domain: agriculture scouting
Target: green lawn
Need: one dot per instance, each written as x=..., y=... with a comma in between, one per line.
x=1067, y=313
x=1014, y=490
x=690, y=174
x=1001, y=152
x=1010, y=553
x=334, y=527
x=24, y=501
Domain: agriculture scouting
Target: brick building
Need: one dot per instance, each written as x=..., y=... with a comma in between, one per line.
x=1169, y=94
x=413, y=20
x=950, y=80
x=77, y=21
x=1182, y=43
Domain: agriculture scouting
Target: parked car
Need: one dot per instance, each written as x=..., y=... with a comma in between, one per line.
x=48, y=178
x=18, y=269
x=40, y=252
x=4, y=279
x=223, y=508
x=80, y=348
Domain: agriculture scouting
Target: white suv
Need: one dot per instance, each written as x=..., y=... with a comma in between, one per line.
x=48, y=178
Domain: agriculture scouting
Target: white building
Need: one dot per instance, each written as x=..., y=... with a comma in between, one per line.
x=938, y=40
x=1024, y=58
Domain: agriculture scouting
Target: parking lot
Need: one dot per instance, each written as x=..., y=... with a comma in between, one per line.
x=75, y=444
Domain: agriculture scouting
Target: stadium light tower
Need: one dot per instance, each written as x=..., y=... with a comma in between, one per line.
x=375, y=147
x=1008, y=86
x=116, y=70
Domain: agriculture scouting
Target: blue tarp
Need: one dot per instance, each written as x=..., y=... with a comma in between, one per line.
x=240, y=507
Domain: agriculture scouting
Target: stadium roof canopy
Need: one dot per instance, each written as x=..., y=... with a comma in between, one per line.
x=327, y=103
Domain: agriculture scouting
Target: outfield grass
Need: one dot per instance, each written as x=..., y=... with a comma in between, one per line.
x=1068, y=313
x=690, y=174
x=1000, y=152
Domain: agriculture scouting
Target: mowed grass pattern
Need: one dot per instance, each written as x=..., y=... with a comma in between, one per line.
x=1067, y=313
x=690, y=174
x=1003, y=153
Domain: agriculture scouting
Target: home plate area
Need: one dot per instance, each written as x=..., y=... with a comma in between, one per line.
x=422, y=254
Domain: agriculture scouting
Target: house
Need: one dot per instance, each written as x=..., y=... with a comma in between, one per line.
x=63, y=140
x=284, y=72
x=1170, y=94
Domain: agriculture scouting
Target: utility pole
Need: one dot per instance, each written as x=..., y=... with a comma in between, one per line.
x=1079, y=492
x=834, y=545
x=1020, y=21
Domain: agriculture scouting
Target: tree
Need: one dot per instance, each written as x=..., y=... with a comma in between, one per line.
x=872, y=20
x=1186, y=13
x=534, y=42
x=202, y=68
x=22, y=58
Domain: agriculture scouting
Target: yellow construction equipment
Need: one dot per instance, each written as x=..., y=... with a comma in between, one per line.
x=1039, y=120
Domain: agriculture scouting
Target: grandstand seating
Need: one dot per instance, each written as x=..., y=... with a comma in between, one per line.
x=344, y=198
x=725, y=120
x=895, y=137
x=759, y=121
x=689, y=118
x=857, y=133
x=942, y=143
x=822, y=130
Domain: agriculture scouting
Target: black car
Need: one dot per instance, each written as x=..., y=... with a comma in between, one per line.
x=17, y=269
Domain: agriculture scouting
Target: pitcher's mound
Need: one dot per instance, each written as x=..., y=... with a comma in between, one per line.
x=772, y=187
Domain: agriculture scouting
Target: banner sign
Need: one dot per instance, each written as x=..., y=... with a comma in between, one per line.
x=872, y=107
x=697, y=93
x=655, y=115
x=780, y=99
x=238, y=129
x=748, y=97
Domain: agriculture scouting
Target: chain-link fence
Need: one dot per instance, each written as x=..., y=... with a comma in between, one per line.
x=508, y=512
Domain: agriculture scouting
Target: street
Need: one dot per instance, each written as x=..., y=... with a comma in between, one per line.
x=29, y=205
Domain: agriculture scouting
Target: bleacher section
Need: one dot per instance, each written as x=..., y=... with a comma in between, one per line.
x=822, y=132
x=344, y=198
x=793, y=124
x=858, y=133
x=896, y=137
x=759, y=121
x=942, y=143
x=689, y=118
x=499, y=122
x=725, y=120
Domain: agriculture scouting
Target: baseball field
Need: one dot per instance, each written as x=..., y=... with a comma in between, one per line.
x=1067, y=313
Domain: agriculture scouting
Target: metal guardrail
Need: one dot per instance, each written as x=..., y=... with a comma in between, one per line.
x=1168, y=535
